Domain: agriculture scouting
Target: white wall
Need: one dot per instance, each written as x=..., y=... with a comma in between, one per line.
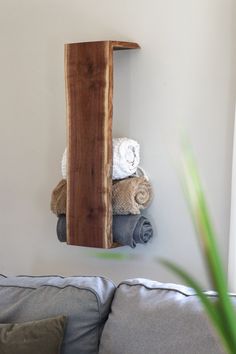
x=183, y=78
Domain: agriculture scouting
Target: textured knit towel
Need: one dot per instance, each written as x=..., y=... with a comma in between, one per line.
x=125, y=158
x=128, y=230
x=131, y=195
x=58, y=198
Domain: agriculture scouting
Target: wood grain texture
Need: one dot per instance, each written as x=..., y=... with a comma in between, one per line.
x=89, y=91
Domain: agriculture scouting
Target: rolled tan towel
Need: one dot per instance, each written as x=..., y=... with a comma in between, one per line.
x=131, y=195
x=58, y=198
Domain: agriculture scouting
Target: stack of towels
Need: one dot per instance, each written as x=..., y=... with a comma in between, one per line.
x=131, y=193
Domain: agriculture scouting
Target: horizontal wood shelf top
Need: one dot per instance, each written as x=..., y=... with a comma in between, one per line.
x=116, y=45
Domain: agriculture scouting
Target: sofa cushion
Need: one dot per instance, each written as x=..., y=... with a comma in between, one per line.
x=85, y=301
x=38, y=337
x=155, y=318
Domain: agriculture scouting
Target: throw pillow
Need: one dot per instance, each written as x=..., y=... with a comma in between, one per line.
x=38, y=337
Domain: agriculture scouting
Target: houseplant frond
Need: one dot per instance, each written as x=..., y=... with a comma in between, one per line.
x=222, y=312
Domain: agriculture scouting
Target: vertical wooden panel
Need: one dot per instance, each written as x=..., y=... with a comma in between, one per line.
x=89, y=111
x=89, y=90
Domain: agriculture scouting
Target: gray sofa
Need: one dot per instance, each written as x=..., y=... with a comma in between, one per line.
x=138, y=316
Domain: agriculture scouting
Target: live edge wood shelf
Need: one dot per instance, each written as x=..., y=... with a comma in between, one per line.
x=89, y=92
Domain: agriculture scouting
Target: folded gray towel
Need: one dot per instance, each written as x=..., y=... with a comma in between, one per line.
x=128, y=230
x=61, y=228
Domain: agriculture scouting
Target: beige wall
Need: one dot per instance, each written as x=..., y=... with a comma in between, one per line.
x=182, y=79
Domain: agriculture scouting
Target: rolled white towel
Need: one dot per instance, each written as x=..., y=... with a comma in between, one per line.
x=126, y=158
x=64, y=164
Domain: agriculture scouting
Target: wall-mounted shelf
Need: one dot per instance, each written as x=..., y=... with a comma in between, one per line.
x=89, y=92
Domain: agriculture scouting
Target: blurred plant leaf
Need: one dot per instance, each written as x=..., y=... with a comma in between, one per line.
x=221, y=312
x=117, y=256
x=211, y=308
x=106, y=255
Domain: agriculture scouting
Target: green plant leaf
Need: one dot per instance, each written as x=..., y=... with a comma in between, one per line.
x=205, y=230
x=112, y=256
x=210, y=307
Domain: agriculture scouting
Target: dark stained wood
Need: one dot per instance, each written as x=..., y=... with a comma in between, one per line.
x=89, y=91
x=117, y=45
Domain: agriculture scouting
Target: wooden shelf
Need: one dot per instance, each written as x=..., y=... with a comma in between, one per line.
x=89, y=93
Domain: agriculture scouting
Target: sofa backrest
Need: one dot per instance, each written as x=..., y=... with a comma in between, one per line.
x=148, y=317
x=85, y=301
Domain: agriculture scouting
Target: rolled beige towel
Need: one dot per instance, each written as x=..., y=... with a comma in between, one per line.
x=58, y=198
x=131, y=195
